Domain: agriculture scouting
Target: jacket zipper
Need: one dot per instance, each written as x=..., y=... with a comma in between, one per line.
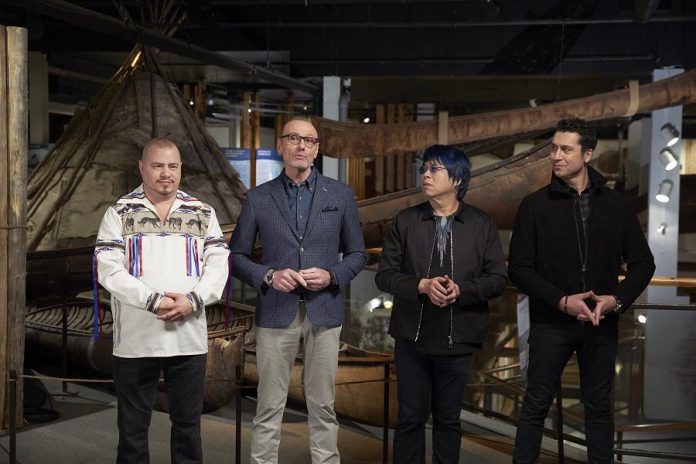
x=583, y=253
x=450, y=339
x=427, y=275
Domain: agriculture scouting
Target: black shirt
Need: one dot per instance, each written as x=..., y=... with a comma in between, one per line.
x=435, y=325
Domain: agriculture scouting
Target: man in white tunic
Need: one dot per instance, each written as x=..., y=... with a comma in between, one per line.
x=162, y=256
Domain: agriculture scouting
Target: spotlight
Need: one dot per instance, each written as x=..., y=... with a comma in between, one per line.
x=642, y=319
x=670, y=134
x=662, y=228
x=191, y=102
x=366, y=120
x=664, y=191
x=373, y=304
x=669, y=159
x=388, y=304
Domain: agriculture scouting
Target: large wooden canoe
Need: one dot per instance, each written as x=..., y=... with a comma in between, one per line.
x=44, y=331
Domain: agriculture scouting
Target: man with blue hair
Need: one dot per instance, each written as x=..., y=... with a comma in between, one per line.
x=443, y=262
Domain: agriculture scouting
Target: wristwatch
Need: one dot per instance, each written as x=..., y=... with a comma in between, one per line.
x=619, y=305
x=268, y=278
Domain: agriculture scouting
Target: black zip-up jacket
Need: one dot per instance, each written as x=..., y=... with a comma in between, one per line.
x=479, y=270
x=548, y=248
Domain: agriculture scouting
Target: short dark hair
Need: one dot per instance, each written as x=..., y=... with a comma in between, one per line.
x=456, y=162
x=588, y=136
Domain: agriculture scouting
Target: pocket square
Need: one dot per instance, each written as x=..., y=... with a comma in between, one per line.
x=329, y=208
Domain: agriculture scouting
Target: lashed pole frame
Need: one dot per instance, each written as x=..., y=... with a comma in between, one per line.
x=251, y=131
x=14, y=103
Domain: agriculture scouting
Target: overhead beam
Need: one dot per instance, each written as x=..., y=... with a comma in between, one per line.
x=305, y=3
x=109, y=25
x=436, y=25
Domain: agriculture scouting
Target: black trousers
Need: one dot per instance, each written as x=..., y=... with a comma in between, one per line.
x=429, y=383
x=135, y=380
x=550, y=348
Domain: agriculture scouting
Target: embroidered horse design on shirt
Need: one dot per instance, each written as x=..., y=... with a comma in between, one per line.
x=195, y=222
x=149, y=220
x=174, y=222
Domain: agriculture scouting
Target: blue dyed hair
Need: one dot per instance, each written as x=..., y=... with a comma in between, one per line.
x=456, y=162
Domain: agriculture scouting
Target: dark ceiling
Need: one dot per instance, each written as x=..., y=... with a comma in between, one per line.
x=470, y=55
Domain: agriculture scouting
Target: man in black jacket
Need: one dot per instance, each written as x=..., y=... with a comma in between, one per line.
x=443, y=262
x=569, y=241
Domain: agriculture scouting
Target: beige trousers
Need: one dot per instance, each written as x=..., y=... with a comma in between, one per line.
x=276, y=350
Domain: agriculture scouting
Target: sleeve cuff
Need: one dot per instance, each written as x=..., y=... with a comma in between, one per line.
x=153, y=302
x=196, y=302
x=333, y=283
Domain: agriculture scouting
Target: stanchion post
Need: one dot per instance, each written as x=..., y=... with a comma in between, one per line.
x=13, y=416
x=64, y=353
x=619, y=443
x=559, y=424
x=385, y=430
x=238, y=416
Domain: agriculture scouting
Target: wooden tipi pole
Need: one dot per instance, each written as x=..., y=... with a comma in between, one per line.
x=13, y=207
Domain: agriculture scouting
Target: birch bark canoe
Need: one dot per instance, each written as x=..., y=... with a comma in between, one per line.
x=357, y=140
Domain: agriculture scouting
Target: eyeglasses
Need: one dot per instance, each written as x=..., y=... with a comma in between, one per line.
x=433, y=169
x=294, y=139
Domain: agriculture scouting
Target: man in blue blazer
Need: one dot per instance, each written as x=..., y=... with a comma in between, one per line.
x=304, y=222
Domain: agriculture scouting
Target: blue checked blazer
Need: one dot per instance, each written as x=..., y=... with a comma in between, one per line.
x=333, y=227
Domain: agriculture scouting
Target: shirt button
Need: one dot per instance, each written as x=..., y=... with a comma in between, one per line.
x=301, y=249
x=300, y=216
x=300, y=237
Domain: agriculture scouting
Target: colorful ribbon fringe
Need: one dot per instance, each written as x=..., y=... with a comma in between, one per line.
x=229, y=292
x=98, y=314
x=192, y=265
x=135, y=248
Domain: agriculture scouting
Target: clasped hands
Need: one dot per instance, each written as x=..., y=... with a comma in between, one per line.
x=313, y=279
x=575, y=306
x=441, y=291
x=174, y=307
